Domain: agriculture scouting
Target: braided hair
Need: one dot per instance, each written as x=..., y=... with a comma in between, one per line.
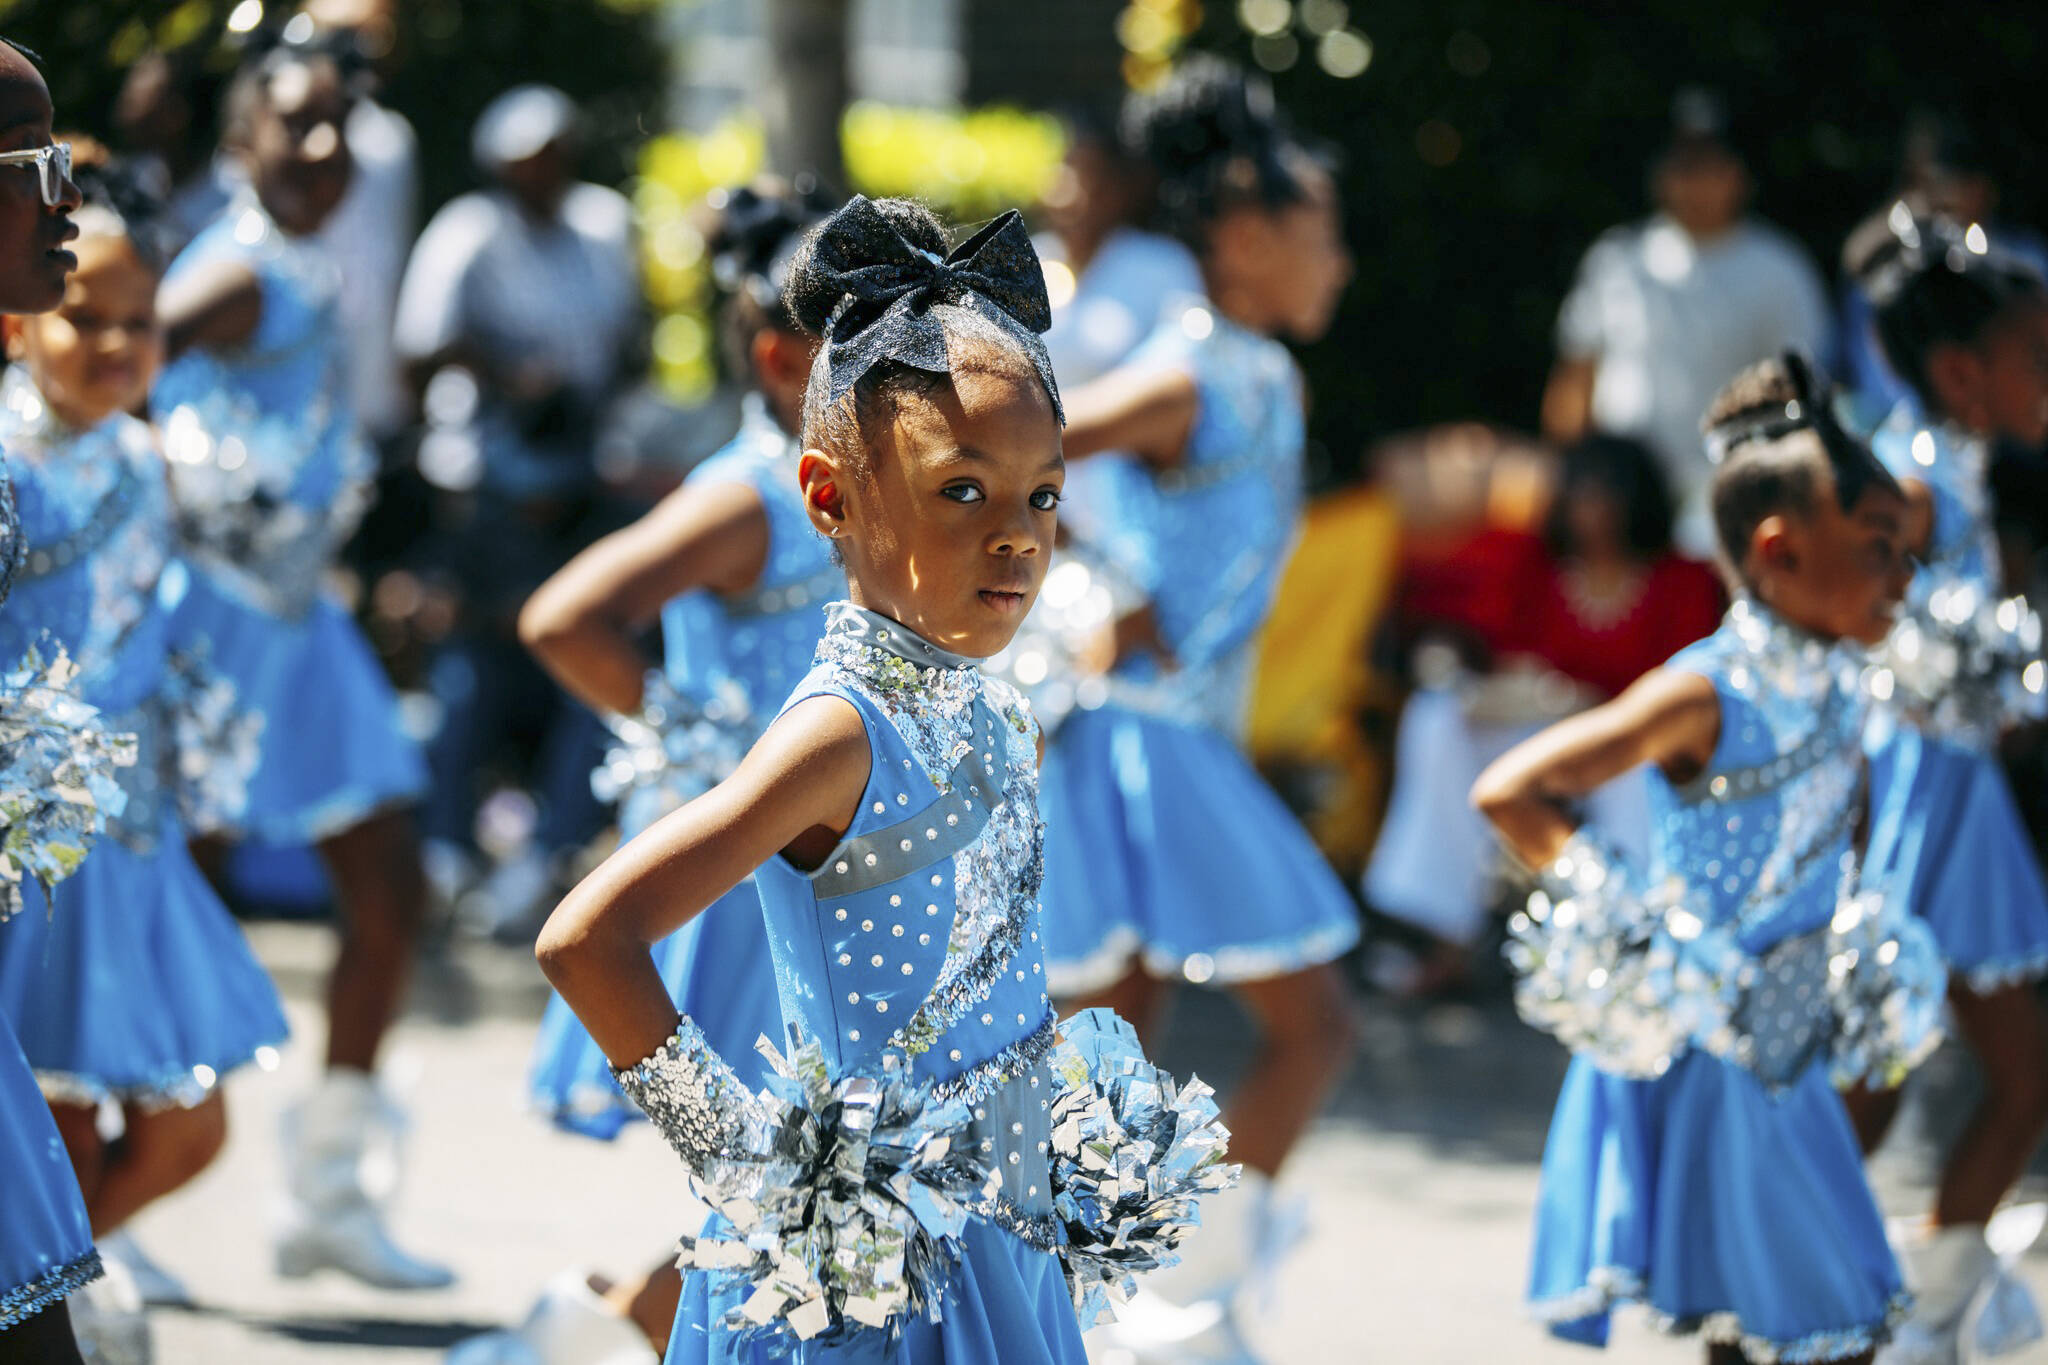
x=1763, y=468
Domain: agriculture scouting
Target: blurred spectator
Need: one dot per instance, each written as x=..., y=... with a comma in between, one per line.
x=520, y=318
x=1666, y=311
x=372, y=230
x=1597, y=599
x=167, y=117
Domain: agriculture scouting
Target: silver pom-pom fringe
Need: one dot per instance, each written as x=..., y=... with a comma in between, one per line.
x=1961, y=663
x=1888, y=983
x=1132, y=1154
x=838, y=1204
x=672, y=750
x=1631, y=976
x=57, y=782
x=215, y=742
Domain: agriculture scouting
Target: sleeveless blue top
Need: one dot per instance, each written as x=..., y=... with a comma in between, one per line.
x=101, y=578
x=1766, y=832
x=914, y=945
x=1208, y=540
x=764, y=639
x=270, y=473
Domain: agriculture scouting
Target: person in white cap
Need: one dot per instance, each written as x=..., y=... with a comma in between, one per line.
x=526, y=296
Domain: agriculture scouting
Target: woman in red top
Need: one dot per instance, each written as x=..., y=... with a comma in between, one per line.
x=1595, y=601
x=1605, y=597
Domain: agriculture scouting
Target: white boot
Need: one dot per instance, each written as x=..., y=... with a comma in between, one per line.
x=1944, y=1268
x=330, y=1220
x=1187, y=1313
x=108, y=1321
x=569, y=1324
x=158, y=1287
x=2009, y=1317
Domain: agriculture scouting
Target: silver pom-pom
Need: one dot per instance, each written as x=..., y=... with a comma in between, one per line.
x=235, y=473
x=1962, y=663
x=1630, y=975
x=1132, y=1154
x=673, y=750
x=1888, y=981
x=838, y=1204
x=57, y=783
x=1060, y=657
x=215, y=742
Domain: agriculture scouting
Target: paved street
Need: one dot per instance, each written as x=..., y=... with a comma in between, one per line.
x=1421, y=1180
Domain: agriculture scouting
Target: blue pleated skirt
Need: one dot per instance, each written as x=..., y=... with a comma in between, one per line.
x=718, y=971
x=1163, y=845
x=45, y=1242
x=1723, y=1209
x=334, y=752
x=1945, y=828
x=140, y=986
x=1007, y=1305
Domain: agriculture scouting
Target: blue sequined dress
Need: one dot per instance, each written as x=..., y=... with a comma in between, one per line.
x=46, y=1250
x=270, y=478
x=1724, y=1207
x=1944, y=823
x=760, y=642
x=136, y=984
x=1161, y=840
x=918, y=937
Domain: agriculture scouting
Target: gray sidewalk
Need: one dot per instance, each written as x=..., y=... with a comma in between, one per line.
x=1419, y=1185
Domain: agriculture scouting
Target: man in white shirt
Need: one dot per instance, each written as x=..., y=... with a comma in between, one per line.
x=1666, y=311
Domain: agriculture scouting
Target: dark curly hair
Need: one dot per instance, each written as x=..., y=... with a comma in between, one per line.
x=1626, y=471
x=1934, y=282
x=1217, y=141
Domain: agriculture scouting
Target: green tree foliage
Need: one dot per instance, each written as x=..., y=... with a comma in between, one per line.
x=1489, y=141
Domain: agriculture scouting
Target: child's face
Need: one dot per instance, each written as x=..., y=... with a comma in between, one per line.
x=297, y=153
x=949, y=528
x=1838, y=573
x=2014, y=367
x=98, y=352
x=1292, y=261
x=33, y=258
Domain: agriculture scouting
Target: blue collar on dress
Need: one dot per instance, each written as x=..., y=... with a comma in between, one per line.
x=852, y=623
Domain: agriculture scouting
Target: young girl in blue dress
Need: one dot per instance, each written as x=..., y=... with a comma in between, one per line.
x=895, y=1187
x=46, y=1250
x=1700, y=1161
x=271, y=477
x=1167, y=858
x=1966, y=326
x=738, y=579
x=131, y=983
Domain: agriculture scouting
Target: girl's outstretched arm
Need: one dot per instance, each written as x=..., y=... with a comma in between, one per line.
x=583, y=624
x=1146, y=410
x=217, y=303
x=1669, y=718
x=797, y=791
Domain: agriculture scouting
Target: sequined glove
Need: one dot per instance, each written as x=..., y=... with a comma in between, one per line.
x=1132, y=1154
x=673, y=749
x=1888, y=983
x=1961, y=663
x=57, y=782
x=837, y=1204
x=1631, y=975
x=215, y=742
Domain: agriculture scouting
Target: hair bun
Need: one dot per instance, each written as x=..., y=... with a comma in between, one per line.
x=816, y=272
x=1216, y=138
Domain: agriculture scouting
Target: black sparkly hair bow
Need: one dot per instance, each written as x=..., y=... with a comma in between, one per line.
x=1811, y=408
x=887, y=286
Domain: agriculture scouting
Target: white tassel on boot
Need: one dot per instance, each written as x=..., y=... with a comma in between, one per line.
x=2009, y=1318
x=330, y=1221
x=1944, y=1268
